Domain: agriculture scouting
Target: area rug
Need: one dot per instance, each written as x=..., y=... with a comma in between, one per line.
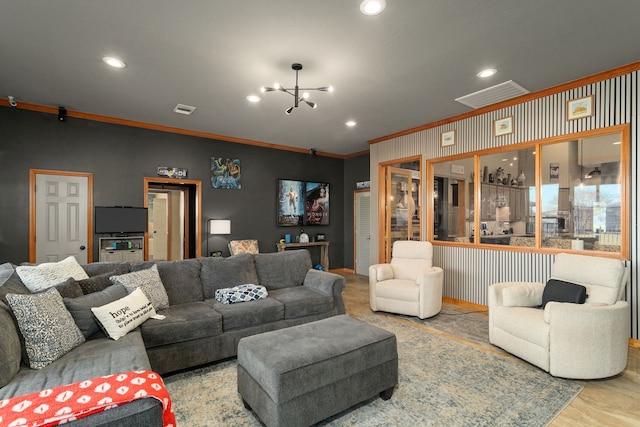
x=441, y=383
x=462, y=324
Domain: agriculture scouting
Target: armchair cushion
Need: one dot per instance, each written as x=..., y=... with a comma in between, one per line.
x=561, y=291
x=522, y=295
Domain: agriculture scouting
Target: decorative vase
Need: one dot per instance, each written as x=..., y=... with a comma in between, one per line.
x=521, y=179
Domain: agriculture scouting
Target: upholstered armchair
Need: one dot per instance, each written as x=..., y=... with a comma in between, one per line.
x=580, y=341
x=410, y=284
x=243, y=247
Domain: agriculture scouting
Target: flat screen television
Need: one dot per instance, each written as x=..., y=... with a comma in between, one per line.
x=120, y=220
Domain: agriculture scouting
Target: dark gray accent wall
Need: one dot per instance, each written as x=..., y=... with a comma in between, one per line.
x=119, y=157
x=355, y=169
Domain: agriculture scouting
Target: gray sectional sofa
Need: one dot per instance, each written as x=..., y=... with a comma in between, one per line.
x=197, y=328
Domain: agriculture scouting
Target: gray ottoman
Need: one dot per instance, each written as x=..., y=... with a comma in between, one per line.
x=301, y=375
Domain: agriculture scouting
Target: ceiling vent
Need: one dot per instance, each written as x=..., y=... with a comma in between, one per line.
x=184, y=109
x=493, y=94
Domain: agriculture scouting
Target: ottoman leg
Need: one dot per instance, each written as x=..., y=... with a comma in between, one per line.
x=386, y=394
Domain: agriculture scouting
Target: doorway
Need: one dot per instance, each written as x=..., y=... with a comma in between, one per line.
x=60, y=217
x=174, y=230
x=400, y=204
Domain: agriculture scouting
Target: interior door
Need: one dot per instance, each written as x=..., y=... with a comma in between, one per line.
x=158, y=226
x=60, y=217
x=402, y=219
x=363, y=232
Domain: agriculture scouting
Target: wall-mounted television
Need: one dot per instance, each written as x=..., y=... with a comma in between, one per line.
x=120, y=220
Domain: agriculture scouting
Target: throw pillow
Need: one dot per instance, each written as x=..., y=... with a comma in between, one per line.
x=124, y=315
x=69, y=288
x=43, y=276
x=150, y=283
x=10, y=348
x=48, y=328
x=80, y=308
x=96, y=283
x=561, y=291
x=522, y=295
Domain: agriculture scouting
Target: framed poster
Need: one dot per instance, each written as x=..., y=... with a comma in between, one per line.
x=225, y=173
x=290, y=203
x=316, y=203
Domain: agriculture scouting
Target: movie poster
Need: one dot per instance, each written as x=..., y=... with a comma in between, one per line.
x=290, y=203
x=316, y=203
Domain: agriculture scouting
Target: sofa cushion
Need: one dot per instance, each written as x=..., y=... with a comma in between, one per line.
x=43, y=276
x=219, y=273
x=181, y=279
x=149, y=281
x=48, y=328
x=12, y=285
x=247, y=314
x=182, y=322
x=80, y=308
x=123, y=315
x=523, y=322
x=10, y=349
x=94, y=358
x=300, y=301
x=282, y=269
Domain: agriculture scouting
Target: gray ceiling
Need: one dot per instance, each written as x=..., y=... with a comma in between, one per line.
x=391, y=72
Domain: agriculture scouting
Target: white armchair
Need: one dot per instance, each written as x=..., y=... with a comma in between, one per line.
x=410, y=284
x=580, y=341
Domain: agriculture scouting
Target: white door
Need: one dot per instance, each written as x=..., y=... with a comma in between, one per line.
x=159, y=227
x=363, y=232
x=61, y=210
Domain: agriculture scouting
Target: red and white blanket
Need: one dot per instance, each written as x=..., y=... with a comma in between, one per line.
x=59, y=405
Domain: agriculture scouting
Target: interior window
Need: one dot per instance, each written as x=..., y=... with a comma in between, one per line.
x=572, y=192
x=581, y=194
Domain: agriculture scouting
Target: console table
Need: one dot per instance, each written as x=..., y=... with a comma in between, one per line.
x=324, y=250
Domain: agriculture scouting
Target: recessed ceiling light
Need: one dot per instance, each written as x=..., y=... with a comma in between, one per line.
x=114, y=62
x=487, y=73
x=372, y=7
x=617, y=143
x=253, y=98
x=351, y=123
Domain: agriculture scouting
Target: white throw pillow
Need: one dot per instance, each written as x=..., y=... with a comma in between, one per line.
x=43, y=276
x=149, y=281
x=523, y=295
x=124, y=315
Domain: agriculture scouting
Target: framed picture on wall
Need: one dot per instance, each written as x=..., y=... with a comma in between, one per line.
x=290, y=203
x=448, y=138
x=316, y=203
x=225, y=173
x=503, y=126
x=579, y=108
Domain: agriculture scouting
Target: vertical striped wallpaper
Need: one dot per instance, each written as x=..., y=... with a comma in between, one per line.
x=469, y=272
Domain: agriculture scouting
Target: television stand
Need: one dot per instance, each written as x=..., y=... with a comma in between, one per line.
x=116, y=249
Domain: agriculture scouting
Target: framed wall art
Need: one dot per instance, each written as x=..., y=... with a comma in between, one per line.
x=448, y=138
x=503, y=126
x=316, y=203
x=579, y=108
x=290, y=203
x=225, y=173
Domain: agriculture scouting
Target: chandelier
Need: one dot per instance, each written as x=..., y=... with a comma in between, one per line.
x=295, y=91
